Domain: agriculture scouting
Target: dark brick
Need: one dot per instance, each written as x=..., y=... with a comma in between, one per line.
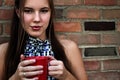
x=9, y=2
x=4, y=39
x=0, y=2
x=7, y=28
x=118, y=2
x=5, y=14
x=1, y=29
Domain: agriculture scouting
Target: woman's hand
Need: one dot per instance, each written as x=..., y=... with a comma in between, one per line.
x=57, y=69
x=26, y=72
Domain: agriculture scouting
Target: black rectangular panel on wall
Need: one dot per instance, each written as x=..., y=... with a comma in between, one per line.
x=100, y=51
x=99, y=26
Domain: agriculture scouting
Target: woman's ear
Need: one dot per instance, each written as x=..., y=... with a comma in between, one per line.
x=18, y=12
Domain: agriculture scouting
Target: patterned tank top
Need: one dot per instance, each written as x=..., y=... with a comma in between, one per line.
x=37, y=47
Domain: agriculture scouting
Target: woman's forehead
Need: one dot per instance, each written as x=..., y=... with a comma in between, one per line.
x=36, y=3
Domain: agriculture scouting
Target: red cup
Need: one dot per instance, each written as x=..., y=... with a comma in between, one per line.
x=41, y=60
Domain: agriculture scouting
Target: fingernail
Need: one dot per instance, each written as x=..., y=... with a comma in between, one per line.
x=41, y=71
x=40, y=67
x=33, y=60
x=36, y=78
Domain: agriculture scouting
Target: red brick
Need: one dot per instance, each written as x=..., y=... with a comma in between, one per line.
x=100, y=2
x=111, y=14
x=85, y=39
x=5, y=14
x=111, y=64
x=68, y=26
x=92, y=65
x=111, y=39
x=83, y=13
x=118, y=26
x=104, y=76
x=67, y=2
x=9, y=2
x=7, y=29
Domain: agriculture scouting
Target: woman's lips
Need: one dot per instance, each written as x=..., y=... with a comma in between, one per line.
x=36, y=28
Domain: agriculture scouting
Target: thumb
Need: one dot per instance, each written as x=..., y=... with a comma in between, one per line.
x=51, y=58
x=22, y=57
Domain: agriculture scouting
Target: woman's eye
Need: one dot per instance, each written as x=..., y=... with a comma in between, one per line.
x=28, y=11
x=44, y=11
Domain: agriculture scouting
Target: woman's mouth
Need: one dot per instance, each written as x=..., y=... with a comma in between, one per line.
x=36, y=28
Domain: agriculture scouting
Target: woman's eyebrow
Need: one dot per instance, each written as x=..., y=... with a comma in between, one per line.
x=40, y=8
x=45, y=8
x=27, y=8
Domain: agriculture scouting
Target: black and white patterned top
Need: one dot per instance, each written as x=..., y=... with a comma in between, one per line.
x=37, y=47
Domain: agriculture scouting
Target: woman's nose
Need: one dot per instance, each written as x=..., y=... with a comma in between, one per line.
x=37, y=17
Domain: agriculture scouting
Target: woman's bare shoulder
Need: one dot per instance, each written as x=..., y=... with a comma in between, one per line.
x=4, y=44
x=67, y=43
x=71, y=48
x=3, y=48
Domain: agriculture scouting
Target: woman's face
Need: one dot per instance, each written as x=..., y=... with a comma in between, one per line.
x=36, y=16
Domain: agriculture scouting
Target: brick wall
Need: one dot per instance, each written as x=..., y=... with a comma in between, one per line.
x=71, y=16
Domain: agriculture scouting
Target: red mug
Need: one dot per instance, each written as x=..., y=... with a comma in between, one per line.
x=41, y=60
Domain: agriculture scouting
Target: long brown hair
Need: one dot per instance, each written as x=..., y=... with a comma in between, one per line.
x=18, y=38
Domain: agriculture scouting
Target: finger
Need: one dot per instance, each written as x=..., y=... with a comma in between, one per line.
x=55, y=73
x=55, y=68
x=55, y=62
x=29, y=74
x=30, y=68
x=35, y=78
x=27, y=62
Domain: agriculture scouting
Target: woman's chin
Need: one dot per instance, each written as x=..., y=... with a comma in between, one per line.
x=34, y=35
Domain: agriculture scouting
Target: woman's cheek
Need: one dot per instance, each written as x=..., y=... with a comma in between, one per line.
x=27, y=19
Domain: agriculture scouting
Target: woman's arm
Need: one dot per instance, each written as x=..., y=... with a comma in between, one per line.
x=3, y=48
x=74, y=56
x=69, y=76
x=14, y=78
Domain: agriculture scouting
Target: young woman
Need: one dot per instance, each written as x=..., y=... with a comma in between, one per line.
x=32, y=31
